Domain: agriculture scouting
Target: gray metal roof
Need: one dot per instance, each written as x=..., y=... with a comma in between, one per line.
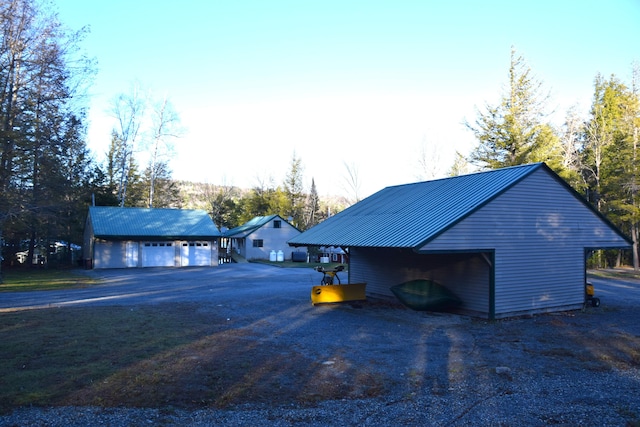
x=407, y=216
x=142, y=223
x=250, y=226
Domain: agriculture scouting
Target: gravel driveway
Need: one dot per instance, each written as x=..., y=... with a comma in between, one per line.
x=575, y=368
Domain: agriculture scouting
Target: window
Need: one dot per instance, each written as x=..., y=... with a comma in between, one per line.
x=258, y=243
x=277, y=223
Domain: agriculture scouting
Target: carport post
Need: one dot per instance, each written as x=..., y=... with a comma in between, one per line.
x=492, y=284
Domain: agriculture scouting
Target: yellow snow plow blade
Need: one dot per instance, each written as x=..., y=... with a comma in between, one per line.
x=338, y=293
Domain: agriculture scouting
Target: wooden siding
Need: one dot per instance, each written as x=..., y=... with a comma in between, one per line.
x=539, y=232
x=466, y=274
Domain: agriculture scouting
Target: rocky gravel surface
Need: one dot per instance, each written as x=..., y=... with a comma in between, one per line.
x=399, y=367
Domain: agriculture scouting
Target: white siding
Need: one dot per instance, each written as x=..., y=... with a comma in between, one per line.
x=274, y=239
x=539, y=233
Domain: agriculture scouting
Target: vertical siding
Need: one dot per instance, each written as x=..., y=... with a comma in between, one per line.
x=467, y=275
x=539, y=233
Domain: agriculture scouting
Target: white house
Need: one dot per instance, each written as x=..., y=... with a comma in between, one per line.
x=262, y=237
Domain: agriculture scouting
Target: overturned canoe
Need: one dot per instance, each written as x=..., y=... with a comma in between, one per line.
x=338, y=293
x=425, y=295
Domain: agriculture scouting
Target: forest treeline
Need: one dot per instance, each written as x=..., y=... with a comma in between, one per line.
x=48, y=177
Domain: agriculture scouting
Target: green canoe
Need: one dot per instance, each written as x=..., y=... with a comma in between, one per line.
x=425, y=295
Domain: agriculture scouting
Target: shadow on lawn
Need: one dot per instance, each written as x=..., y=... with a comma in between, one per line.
x=155, y=356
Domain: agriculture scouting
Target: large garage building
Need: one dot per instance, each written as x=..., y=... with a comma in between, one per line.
x=137, y=237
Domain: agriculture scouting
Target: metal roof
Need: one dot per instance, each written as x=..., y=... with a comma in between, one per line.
x=407, y=216
x=123, y=223
x=249, y=227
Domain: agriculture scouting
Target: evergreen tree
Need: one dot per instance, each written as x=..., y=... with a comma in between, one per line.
x=611, y=158
x=294, y=192
x=514, y=132
x=39, y=78
x=222, y=205
x=312, y=216
x=157, y=181
x=460, y=165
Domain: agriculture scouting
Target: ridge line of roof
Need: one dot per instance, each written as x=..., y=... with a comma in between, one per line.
x=533, y=166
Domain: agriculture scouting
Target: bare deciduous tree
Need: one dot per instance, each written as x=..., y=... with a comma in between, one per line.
x=165, y=128
x=429, y=161
x=352, y=182
x=128, y=110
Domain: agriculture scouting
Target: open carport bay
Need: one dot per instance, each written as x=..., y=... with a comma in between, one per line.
x=264, y=355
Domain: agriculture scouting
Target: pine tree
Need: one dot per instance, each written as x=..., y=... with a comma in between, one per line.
x=39, y=78
x=312, y=216
x=294, y=192
x=514, y=132
x=611, y=159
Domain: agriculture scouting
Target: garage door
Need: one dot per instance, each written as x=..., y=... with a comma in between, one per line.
x=195, y=254
x=158, y=254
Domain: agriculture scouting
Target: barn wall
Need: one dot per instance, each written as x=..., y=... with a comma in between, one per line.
x=539, y=232
x=467, y=275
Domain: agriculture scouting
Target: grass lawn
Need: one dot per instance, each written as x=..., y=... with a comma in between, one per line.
x=169, y=355
x=18, y=280
x=97, y=356
x=175, y=355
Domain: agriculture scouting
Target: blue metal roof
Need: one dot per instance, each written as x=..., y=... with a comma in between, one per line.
x=249, y=227
x=407, y=216
x=124, y=223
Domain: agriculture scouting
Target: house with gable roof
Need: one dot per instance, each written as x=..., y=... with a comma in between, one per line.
x=261, y=237
x=116, y=237
x=507, y=242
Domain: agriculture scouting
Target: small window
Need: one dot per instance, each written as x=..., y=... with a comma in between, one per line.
x=205, y=244
x=277, y=223
x=147, y=244
x=258, y=243
x=154, y=244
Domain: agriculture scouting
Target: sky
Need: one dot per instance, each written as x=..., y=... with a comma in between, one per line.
x=369, y=85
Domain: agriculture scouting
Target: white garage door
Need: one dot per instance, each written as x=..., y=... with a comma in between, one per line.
x=158, y=254
x=195, y=254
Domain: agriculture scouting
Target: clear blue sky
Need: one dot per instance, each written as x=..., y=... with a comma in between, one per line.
x=363, y=82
